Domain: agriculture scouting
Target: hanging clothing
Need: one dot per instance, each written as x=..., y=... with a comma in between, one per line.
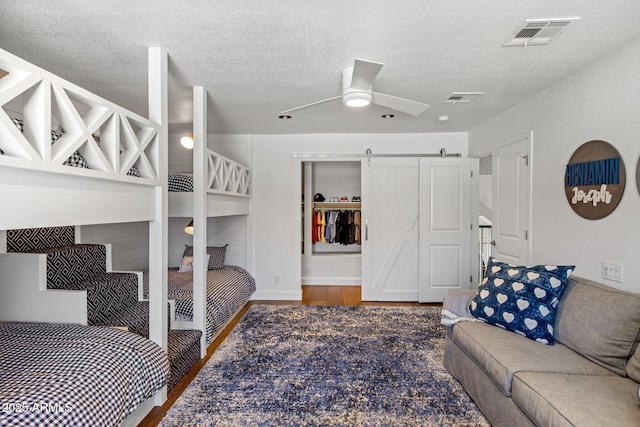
x=330, y=229
x=321, y=226
x=336, y=226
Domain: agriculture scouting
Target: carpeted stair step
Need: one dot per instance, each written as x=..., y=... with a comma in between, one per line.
x=183, y=348
x=68, y=265
x=135, y=318
x=108, y=294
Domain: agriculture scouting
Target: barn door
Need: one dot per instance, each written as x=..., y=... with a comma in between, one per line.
x=390, y=221
x=448, y=226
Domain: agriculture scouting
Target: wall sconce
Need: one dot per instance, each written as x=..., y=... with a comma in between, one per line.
x=187, y=142
x=189, y=228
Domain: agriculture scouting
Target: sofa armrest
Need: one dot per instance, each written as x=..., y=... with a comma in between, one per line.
x=455, y=306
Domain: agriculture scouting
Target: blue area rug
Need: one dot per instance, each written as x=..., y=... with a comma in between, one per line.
x=328, y=366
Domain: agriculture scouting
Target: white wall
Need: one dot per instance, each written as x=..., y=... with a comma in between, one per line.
x=225, y=230
x=276, y=195
x=600, y=102
x=336, y=179
x=129, y=243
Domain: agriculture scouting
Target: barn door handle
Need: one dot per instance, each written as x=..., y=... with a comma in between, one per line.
x=366, y=229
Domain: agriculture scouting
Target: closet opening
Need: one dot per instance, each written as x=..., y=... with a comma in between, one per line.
x=331, y=216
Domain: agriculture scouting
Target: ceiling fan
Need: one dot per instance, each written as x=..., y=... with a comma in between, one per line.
x=357, y=91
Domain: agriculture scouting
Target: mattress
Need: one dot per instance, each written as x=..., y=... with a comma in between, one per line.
x=59, y=375
x=228, y=290
x=180, y=182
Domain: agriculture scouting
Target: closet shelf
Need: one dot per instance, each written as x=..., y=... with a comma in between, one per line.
x=336, y=205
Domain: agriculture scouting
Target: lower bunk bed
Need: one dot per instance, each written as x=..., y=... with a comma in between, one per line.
x=71, y=375
x=228, y=290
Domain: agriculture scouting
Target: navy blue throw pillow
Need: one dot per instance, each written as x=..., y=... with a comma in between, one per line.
x=521, y=299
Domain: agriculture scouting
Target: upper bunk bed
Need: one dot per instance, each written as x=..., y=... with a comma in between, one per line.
x=227, y=185
x=86, y=159
x=70, y=158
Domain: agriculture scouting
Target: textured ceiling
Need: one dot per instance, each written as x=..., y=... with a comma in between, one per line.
x=257, y=58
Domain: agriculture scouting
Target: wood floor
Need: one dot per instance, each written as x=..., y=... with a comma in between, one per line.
x=311, y=295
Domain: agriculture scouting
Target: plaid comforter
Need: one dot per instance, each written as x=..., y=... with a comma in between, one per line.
x=73, y=375
x=228, y=289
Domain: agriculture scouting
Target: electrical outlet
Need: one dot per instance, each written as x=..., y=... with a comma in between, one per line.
x=612, y=271
x=276, y=279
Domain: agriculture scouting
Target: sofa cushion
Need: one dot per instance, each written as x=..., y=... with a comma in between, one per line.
x=633, y=366
x=521, y=299
x=501, y=354
x=576, y=400
x=601, y=323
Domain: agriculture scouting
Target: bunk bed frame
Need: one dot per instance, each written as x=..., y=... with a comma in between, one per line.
x=221, y=187
x=228, y=189
x=112, y=141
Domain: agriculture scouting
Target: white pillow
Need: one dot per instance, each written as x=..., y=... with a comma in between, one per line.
x=187, y=264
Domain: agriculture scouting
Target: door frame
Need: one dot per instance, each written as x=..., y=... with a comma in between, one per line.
x=529, y=137
x=302, y=226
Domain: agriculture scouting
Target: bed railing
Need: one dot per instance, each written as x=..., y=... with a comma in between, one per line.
x=227, y=176
x=45, y=122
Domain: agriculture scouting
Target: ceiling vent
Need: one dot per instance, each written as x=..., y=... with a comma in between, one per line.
x=462, y=97
x=538, y=31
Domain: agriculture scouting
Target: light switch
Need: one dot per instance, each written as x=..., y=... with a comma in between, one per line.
x=612, y=271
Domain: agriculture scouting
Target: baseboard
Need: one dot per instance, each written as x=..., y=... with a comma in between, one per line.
x=278, y=295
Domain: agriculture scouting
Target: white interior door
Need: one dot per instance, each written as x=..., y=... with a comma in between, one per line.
x=511, y=201
x=448, y=228
x=390, y=206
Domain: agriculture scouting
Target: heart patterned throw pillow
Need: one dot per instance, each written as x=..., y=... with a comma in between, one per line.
x=521, y=299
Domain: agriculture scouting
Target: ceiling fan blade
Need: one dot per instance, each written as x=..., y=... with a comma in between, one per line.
x=310, y=105
x=404, y=105
x=364, y=73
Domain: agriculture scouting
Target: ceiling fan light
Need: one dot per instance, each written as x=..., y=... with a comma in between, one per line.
x=357, y=99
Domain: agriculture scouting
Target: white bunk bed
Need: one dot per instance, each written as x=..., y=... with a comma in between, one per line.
x=45, y=120
x=227, y=185
x=218, y=186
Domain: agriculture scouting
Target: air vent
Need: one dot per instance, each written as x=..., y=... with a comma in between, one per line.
x=461, y=97
x=538, y=31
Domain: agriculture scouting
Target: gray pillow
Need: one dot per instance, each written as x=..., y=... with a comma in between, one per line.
x=216, y=255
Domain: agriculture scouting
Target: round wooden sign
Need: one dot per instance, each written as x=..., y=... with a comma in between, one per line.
x=594, y=179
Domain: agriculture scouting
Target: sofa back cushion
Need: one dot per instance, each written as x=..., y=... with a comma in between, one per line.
x=599, y=322
x=633, y=368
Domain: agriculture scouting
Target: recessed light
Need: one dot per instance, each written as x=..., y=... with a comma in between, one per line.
x=387, y=116
x=443, y=119
x=284, y=117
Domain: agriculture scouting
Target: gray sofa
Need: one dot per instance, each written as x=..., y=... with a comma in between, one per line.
x=588, y=378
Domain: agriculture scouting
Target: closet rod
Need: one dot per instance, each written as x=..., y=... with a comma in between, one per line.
x=369, y=154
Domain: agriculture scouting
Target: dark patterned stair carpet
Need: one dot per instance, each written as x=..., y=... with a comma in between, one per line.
x=71, y=264
x=134, y=317
x=183, y=348
x=329, y=366
x=108, y=294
